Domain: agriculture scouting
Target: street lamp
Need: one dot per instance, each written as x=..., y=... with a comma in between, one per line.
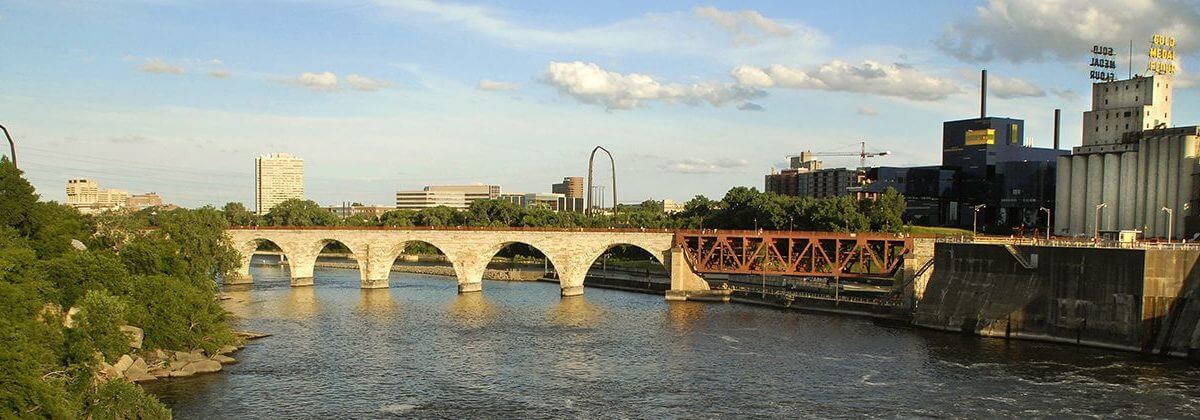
x=1170, y=222
x=1096, y=237
x=12, y=147
x=975, y=219
x=1047, y=222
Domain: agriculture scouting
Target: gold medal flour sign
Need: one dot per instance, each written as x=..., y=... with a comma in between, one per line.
x=1162, y=55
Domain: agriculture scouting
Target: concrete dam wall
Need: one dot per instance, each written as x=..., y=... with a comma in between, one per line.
x=1130, y=299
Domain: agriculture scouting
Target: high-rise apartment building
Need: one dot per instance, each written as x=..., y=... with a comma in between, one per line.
x=278, y=177
x=86, y=196
x=571, y=187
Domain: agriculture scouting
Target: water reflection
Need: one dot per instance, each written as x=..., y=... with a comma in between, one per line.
x=472, y=310
x=236, y=299
x=575, y=311
x=684, y=315
x=301, y=303
x=377, y=303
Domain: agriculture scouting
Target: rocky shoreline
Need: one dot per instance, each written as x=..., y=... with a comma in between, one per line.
x=157, y=364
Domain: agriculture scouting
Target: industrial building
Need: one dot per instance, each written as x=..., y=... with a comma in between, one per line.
x=1132, y=171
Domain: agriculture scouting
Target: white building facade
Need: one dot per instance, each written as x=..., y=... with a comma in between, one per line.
x=278, y=177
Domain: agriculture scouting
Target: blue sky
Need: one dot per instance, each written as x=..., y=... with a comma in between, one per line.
x=178, y=97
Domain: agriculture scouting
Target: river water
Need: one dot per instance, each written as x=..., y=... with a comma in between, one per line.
x=518, y=350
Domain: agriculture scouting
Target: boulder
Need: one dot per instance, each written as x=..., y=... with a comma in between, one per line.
x=222, y=359
x=181, y=373
x=135, y=335
x=69, y=319
x=203, y=366
x=157, y=355
x=138, y=366
x=160, y=373
x=226, y=350
x=141, y=377
x=123, y=363
x=193, y=356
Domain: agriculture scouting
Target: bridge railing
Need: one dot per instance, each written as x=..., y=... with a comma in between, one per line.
x=458, y=228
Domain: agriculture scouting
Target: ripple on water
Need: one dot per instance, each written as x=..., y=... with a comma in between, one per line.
x=518, y=350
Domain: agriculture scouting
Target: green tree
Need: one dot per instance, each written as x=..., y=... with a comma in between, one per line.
x=17, y=198
x=886, y=212
x=398, y=218
x=121, y=399
x=438, y=216
x=296, y=212
x=200, y=236
x=97, y=325
x=237, y=215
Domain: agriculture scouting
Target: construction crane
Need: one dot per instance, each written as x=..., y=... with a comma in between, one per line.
x=862, y=154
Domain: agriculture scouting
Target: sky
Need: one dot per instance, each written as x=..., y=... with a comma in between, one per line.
x=178, y=97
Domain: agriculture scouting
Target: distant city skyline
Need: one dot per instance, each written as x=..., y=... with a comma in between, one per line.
x=692, y=98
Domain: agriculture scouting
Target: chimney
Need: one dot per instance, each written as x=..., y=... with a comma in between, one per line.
x=983, y=95
x=1057, y=116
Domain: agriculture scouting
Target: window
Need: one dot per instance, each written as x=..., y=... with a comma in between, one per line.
x=1128, y=114
x=1137, y=98
x=1167, y=99
x=1127, y=126
x=1106, y=101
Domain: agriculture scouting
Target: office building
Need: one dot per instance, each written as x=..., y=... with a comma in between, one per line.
x=278, y=177
x=425, y=199
x=670, y=206
x=472, y=193
x=571, y=187
x=143, y=201
x=1131, y=166
x=548, y=201
x=86, y=196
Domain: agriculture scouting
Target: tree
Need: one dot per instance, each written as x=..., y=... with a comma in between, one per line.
x=886, y=212
x=17, y=198
x=237, y=215
x=296, y=212
x=200, y=235
x=397, y=218
x=438, y=216
x=98, y=325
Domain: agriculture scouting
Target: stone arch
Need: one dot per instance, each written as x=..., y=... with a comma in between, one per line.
x=659, y=256
x=303, y=257
x=381, y=258
x=554, y=259
x=246, y=248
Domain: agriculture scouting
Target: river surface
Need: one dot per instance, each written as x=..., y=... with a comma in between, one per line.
x=518, y=350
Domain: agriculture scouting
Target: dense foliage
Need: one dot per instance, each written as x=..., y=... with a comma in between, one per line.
x=149, y=269
x=741, y=208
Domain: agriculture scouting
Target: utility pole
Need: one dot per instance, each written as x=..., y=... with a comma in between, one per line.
x=1047, y=222
x=975, y=219
x=12, y=147
x=1170, y=223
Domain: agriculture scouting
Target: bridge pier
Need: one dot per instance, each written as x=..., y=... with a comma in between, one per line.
x=302, y=281
x=685, y=282
x=568, y=291
x=470, y=287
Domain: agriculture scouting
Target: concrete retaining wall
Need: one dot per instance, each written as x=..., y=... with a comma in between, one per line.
x=1127, y=299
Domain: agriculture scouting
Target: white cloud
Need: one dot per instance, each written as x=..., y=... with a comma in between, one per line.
x=1036, y=30
x=588, y=83
x=324, y=81
x=157, y=65
x=219, y=73
x=704, y=166
x=750, y=106
x=670, y=33
x=365, y=84
x=867, y=111
x=738, y=23
x=491, y=85
x=869, y=77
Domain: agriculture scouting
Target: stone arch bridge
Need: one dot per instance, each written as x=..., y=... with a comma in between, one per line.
x=468, y=249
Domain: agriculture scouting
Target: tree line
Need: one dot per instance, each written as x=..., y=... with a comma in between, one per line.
x=740, y=208
x=153, y=269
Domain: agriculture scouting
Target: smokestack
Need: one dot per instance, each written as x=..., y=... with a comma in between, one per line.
x=1057, y=116
x=983, y=95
